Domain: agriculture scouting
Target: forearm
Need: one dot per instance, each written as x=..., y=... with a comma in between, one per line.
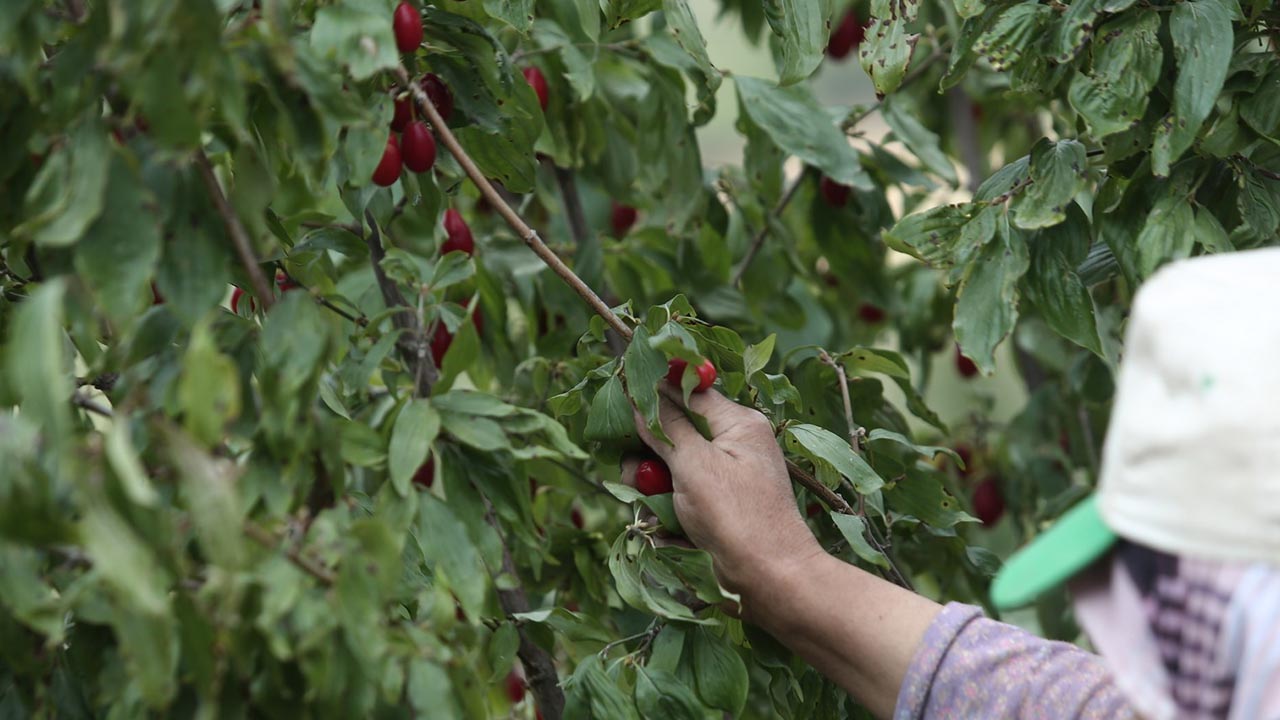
x=858, y=630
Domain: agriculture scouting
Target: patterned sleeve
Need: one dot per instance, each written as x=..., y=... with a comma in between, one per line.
x=970, y=667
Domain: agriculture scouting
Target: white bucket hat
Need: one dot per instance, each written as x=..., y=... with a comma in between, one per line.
x=1191, y=464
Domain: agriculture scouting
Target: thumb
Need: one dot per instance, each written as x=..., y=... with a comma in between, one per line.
x=677, y=426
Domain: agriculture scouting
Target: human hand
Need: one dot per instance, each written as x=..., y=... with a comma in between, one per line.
x=732, y=493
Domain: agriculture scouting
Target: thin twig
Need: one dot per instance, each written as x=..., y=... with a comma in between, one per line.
x=239, y=237
x=573, y=206
x=413, y=353
x=758, y=241
x=360, y=320
x=856, y=431
x=93, y=407
x=268, y=540
x=495, y=200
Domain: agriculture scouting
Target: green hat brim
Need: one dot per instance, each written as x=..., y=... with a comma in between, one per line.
x=1077, y=539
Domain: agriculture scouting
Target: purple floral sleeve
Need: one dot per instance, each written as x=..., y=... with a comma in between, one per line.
x=970, y=667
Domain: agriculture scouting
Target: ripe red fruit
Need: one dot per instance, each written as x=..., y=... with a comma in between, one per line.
x=538, y=82
x=988, y=502
x=622, y=218
x=425, y=477
x=813, y=510
x=966, y=456
x=418, y=147
x=515, y=687
x=438, y=93
x=284, y=283
x=653, y=477
x=388, y=170
x=835, y=194
x=238, y=293
x=407, y=25
x=576, y=518
x=706, y=374
x=848, y=35
x=403, y=114
x=459, y=235
x=871, y=313
x=966, y=367
x=442, y=339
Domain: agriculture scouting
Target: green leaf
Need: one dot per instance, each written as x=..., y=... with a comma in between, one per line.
x=125, y=562
x=415, y=430
x=928, y=451
x=602, y=697
x=124, y=461
x=1168, y=235
x=1057, y=174
x=1202, y=43
x=1014, y=34
x=69, y=191
x=644, y=368
x=118, y=255
x=756, y=357
x=661, y=696
x=209, y=390
x=208, y=489
x=800, y=126
x=37, y=363
x=719, y=673
x=824, y=447
x=886, y=52
x=933, y=235
x=617, y=12
x=900, y=115
x=1058, y=292
x=516, y=13
x=802, y=28
x=853, y=528
x=446, y=544
x=987, y=307
x=357, y=35
x=922, y=496
x=611, y=417
x=1112, y=94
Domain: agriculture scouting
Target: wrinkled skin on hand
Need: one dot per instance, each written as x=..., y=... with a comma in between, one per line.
x=732, y=493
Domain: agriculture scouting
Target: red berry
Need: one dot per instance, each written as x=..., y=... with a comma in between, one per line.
x=871, y=313
x=706, y=374
x=848, y=35
x=284, y=283
x=813, y=510
x=515, y=687
x=236, y=294
x=622, y=218
x=576, y=518
x=835, y=194
x=156, y=297
x=403, y=114
x=988, y=502
x=966, y=457
x=653, y=478
x=538, y=82
x=966, y=367
x=438, y=93
x=440, y=343
x=459, y=235
x=425, y=477
x=407, y=25
x=418, y=147
x=388, y=170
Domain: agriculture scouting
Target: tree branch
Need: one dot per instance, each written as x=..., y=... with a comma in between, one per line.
x=539, y=666
x=521, y=228
x=758, y=241
x=414, y=354
x=573, y=206
x=239, y=238
x=268, y=540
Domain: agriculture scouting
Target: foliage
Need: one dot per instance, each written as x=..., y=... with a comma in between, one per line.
x=213, y=513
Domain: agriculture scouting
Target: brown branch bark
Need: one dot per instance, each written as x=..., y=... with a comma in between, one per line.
x=539, y=666
x=239, y=238
x=758, y=241
x=413, y=351
x=521, y=228
x=268, y=540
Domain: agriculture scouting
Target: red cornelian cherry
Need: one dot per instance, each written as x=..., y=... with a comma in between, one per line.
x=417, y=147
x=653, y=477
x=388, y=170
x=406, y=23
x=538, y=82
x=706, y=374
x=458, y=234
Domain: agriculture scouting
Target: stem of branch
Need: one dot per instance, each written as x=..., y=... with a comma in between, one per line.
x=539, y=666
x=239, y=238
x=495, y=200
x=93, y=407
x=758, y=241
x=414, y=354
x=268, y=540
